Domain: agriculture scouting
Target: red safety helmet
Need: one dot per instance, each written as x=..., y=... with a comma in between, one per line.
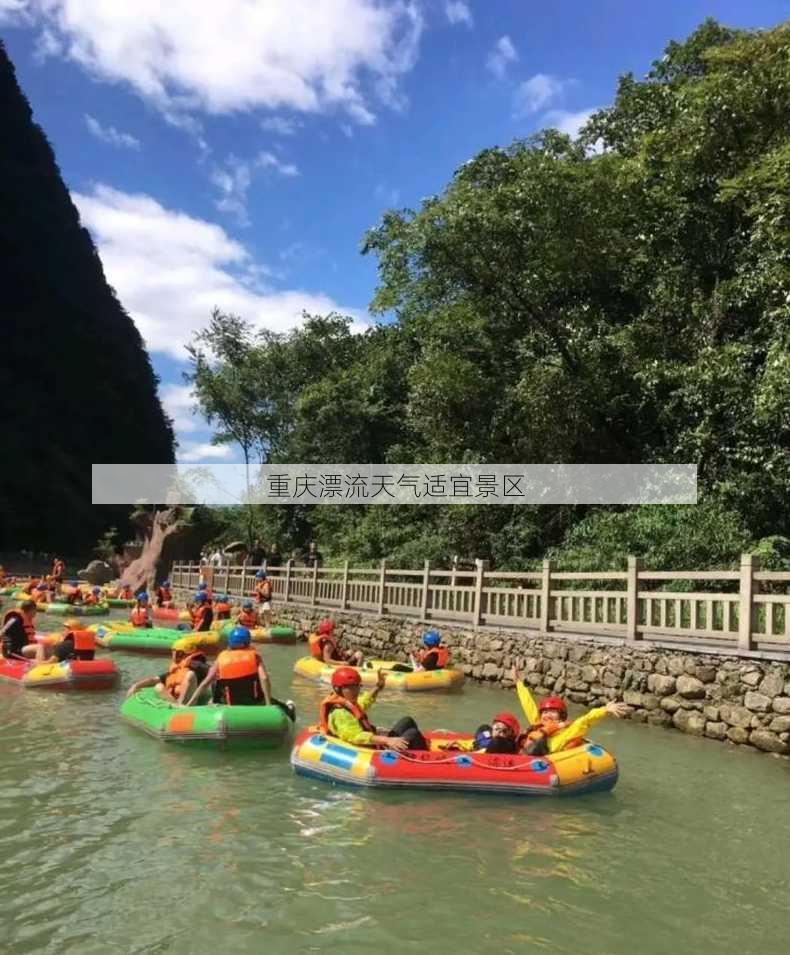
x=326, y=626
x=554, y=703
x=345, y=676
x=510, y=721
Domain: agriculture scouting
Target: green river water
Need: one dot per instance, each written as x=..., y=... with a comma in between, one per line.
x=111, y=842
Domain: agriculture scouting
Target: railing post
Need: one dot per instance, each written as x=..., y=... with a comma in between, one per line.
x=545, y=597
x=749, y=564
x=453, y=571
x=344, y=595
x=227, y=577
x=314, y=593
x=426, y=583
x=382, y=586
x=477, y=610
x=288, y=566
x=632, y=600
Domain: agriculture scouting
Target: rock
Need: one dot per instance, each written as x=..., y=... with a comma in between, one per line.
x=690, y=687
x=751, y=677
x=780, y=724
x=675, y=666
x=689, y=665
x=781, y=704
x=711, y=713
x=768, y=742
x=659, y=718
x=491, y=671
x=97, y=573
x=578, y=697
x=772, y=685
x=716, y=730
x=735, y=715
x=688, y=722
x=632, y=698
x=670, y=704
x=706, y=674
x=662, y=685
x=650, y=702
x=589, y=674
x=737, y=734
x=639, y=716
x=756, y=702
x=578, y=654
x=610, y=678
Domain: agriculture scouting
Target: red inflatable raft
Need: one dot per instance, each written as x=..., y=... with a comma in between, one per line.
x=165, y=613
x=71, y=675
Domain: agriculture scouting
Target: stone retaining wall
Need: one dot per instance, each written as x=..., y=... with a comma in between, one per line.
x=725, y=698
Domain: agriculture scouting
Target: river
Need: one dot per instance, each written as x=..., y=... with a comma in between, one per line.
x=111, y=842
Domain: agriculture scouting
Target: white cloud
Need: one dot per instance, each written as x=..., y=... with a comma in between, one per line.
x=501, y=56
x=568, y=122
x=280, y=125
x=203, y=451
x=538, y=92
x=170, y=270
x=179, y=402
x=458, y=12
x=111, y=135
x=12, y=11
x=191, y=56
x=234, y=178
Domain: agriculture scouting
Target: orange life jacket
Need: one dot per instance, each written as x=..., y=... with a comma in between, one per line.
x=442, y=656
x=30, y=630
x=83, y=639
x=57, y=568
x=263, y=591
x=222, y=608
x=90, y=599
x=333, y=702
x=236, y=664
x=543, y=731
x=199, y=615
x=139, y=617
x=125, y=593
x=177, y=674
x=31, y=586
x=247, y=618
x=163, y=595
x=317, y=642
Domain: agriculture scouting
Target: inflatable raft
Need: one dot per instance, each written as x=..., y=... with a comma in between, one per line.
x=76, y=610
x=266, y=726
x=585, y=769
x=119, y=602
x=157, y=640
x=71, y=675
x=412, y=681
x=168, y=613
x=282, y=635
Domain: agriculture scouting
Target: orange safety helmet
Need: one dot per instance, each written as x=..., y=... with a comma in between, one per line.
x=326, y=626
x=345, y=676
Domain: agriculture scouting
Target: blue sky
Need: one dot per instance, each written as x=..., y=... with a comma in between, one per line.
x=234, y=153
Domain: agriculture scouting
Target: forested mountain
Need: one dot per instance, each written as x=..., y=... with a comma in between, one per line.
x=622, y=298
x=76, y=384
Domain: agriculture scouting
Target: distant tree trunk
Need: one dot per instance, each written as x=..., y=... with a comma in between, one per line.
x=156, y=528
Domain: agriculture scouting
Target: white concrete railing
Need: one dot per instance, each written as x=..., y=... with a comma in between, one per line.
x=747, y=610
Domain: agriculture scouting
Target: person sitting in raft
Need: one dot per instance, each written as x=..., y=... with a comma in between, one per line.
x=202, y=613
x=125, y=592
x=58, y=570
x=203, y=588
x=502, y=736
x=141, y=612
x=222, y=608
x=164, y=595
x=263, y=594
x=41, y=594
x=343, y=714
x=238, y=673
x=19, y=631
x=549, y=729
x=323, y=646
x=178, y=685
x=31, y=585
x=92, y=599
x=432, y=655
x=76, y=644
x=248, y=616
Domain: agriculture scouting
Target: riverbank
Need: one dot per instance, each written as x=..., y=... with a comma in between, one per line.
x=741, y=701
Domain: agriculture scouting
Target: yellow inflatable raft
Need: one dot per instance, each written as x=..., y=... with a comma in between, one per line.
x=411, y=681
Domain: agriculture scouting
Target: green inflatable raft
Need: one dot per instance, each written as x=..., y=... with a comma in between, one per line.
x=264, y=726
x=78, y=610
x=283, y=635
x=119, y=602
x=150, y=640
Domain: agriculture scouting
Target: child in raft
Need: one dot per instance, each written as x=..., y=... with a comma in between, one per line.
x=432, y=655
x=201, y=612
x=164, y=595
x=323, y=646
x=222, y=607
x=125, y=592
x=178, y=685
x=92, y=599
x=343, y=714
x=248, y=616
x=141, y=612
x=77, y=643
x=18, y=633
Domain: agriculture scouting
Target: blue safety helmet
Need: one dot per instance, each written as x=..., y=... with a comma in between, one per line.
x=248, y=605
x=260, y=575
x=431, y=638
x=200, y=597
x=142, y=597
x=165, y=583
x=239, y=637
x=203, y=586
x=97, y=590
